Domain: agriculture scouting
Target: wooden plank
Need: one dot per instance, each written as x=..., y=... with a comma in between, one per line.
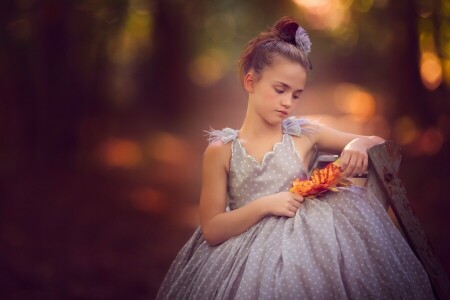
x=374, y=185
x=384, y=162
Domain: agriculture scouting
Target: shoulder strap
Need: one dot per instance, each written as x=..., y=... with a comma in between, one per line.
x=299, y=126
x=225, y=135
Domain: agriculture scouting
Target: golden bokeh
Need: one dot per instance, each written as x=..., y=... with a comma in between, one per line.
x=355, y=101
x=325, y=14
x=167, y=148
x=405, y=130
x=209, y=67
x=430, y=70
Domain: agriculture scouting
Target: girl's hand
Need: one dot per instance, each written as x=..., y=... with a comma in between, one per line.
x=284, y=204
x=354, y=158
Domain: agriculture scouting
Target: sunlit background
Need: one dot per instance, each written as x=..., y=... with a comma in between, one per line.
x=105, y=103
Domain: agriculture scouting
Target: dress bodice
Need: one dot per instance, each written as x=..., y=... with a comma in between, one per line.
x=249, y=179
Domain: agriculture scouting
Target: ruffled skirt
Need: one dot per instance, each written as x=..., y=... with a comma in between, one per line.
x=340, y=246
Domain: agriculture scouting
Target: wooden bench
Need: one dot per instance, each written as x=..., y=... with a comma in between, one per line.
x=382, y=179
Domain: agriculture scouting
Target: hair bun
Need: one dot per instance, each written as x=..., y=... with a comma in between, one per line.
x=286, y=28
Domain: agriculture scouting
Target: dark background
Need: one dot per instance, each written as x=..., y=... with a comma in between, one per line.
x=104, y=103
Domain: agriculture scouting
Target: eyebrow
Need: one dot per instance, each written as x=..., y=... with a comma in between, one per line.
x=287, y=86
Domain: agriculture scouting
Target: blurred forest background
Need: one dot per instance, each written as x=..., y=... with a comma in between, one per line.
x=104, y=103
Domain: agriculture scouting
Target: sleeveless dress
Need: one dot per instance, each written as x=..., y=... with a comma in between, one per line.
x=342, y=245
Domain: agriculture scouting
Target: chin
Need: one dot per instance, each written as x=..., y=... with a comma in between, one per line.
x=274, y=121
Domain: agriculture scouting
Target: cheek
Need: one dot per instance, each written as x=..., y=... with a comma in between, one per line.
x=269, y=95
x=296, y=104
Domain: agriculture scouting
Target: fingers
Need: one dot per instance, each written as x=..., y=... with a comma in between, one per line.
x=289, y=210
x=286, y=203
x=344, y=159
x=351, y=166
x=361, y=166
x=298, y=197
x=365, y=164
x=353, y=162
x=294, y=204
x=292, y=210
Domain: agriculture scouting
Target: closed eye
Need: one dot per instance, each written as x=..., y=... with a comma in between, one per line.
x=278, y=91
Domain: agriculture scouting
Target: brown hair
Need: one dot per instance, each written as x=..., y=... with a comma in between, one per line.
x=279, y=39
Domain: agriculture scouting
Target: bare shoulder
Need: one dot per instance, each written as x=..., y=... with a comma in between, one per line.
x=218, y=153
x=304, y=143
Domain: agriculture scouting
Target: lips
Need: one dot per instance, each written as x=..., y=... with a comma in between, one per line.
x=283, y=112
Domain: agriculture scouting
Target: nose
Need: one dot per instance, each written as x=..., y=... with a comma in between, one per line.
x=286, y=100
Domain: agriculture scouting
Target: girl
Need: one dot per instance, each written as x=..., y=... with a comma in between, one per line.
x=259, y=241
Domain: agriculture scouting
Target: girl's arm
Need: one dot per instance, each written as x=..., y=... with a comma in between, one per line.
x=217, y=224
x=354, y=158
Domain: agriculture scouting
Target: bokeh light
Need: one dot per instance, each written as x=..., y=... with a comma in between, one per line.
x=208, y=68
x=355, y=101
x=168, y=148
x=405, y=130
x=430, y=70
x=325, y=14
x=418, y=141
x=150, y=200
x=431, y=141
x=121, y=153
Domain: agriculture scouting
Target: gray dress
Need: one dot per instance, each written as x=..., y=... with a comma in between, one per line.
x=342, y=245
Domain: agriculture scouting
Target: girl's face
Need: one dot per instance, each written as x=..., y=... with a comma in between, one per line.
x=276, y=92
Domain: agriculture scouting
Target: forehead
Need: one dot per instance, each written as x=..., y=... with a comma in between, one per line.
x=286, y=71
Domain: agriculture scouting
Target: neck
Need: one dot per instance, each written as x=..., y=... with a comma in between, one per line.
x=255, y=127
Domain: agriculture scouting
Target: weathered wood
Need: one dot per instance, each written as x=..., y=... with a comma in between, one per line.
x=373, y=183
x=384, y=163
x=377, y=190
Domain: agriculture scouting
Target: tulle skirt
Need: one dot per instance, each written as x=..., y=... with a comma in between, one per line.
x=340, y=246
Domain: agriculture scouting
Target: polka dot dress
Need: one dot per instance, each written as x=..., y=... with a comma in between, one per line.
x=340, y=246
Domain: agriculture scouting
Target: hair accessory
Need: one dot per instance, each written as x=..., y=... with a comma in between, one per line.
x=302, y=39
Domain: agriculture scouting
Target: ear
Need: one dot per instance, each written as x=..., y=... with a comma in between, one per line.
x=249, y=81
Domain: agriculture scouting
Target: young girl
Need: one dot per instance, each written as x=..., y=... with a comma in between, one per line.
x=257, y=240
